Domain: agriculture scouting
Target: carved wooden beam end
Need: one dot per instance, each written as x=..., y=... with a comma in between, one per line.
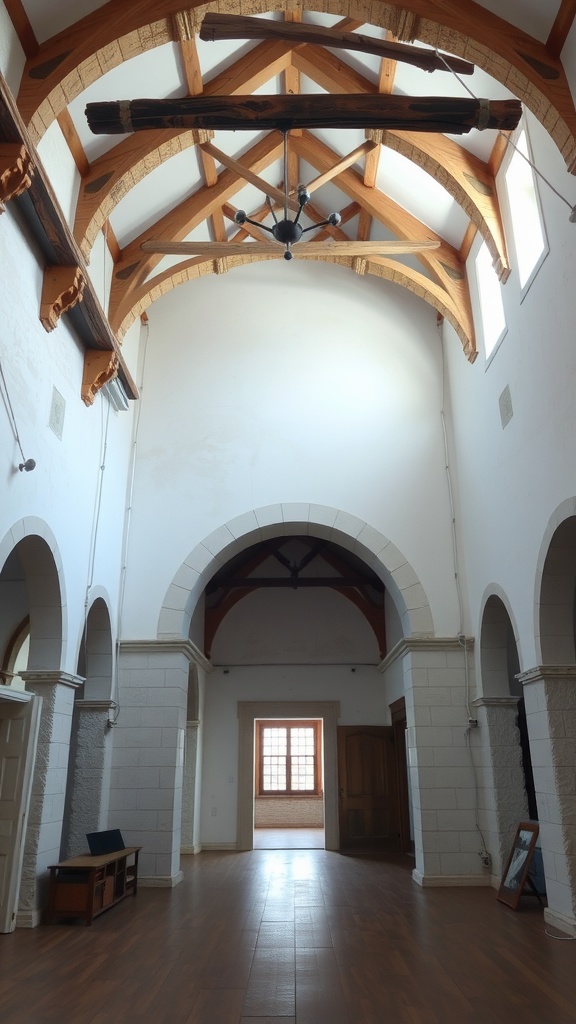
x=99, y=368
x=62, y=288
x=16, y=170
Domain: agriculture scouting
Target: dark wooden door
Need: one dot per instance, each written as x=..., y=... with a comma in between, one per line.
x=368, y=788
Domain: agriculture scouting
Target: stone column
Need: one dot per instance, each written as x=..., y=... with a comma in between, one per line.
x=550, y=698
x=502, y=798
x=437, y=675
x=46, y=816
x=88, y=774
x=148, y=757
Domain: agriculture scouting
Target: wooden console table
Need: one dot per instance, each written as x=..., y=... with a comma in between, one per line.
x=87, y=886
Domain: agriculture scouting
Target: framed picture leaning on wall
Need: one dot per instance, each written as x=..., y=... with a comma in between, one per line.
x=517, y=867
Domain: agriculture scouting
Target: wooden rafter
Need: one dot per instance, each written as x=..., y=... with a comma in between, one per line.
x=560, y=29
x=131, y=159
x=444, y=264
x=70, y=61
x=113, y=175
x=135, y=265
x=229, y=590
x=185, y=33
x=240, y=168
x=468, y=180
x=385, y=85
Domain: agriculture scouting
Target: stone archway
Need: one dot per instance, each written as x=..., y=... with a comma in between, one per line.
x=503, y=748
x=350, y=533
x=550, y=695
x=30, y=550
x=89, y=764
x=29, y=554
x=321, y=521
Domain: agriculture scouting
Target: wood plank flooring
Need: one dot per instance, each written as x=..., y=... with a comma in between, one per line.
x=293, y=937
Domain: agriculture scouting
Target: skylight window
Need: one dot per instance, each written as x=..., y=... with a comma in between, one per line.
x=527, y=227
x=491, y=305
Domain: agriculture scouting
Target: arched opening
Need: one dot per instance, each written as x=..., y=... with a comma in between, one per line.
x=557, y=611
x=30, y=640
x=299, y=618
x=89, y=762
x=500, y=668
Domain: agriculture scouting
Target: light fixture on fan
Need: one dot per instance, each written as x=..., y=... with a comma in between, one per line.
x=287, y=231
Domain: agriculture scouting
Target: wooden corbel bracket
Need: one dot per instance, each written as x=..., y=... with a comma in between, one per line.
x=16, y=170
x=99, y=367
x=61, y=290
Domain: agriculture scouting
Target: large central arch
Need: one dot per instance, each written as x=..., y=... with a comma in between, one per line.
x=321, y=521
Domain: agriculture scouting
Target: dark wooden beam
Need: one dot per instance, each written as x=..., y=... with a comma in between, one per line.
x=230, y=26
x=456, y=116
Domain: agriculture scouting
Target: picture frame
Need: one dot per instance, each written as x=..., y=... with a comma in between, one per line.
x=516, y=871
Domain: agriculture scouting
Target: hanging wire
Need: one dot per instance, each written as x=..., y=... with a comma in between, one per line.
x=543, y=177
x=26, y=464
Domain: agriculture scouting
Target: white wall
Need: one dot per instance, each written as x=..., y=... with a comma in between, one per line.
x=62, y=490
x=509, y=481
x=289, y=383
x=295, y=626
x=12, y=57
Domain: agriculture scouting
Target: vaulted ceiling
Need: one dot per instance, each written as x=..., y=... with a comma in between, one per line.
x=188, y=184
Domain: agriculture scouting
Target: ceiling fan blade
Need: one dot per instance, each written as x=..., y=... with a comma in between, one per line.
x=216, y=250
x=229, y=26
x=456, y=116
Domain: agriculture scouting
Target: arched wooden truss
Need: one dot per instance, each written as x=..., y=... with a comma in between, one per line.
x=66, y=64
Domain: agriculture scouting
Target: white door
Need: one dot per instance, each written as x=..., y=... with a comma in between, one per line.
x=18, y=742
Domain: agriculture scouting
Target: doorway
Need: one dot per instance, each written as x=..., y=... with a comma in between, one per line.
x=288, y=784
x=248, y=713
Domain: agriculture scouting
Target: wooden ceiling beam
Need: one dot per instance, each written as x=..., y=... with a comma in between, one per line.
x=24, y=30
x=398, y=220
x=135, y=265
x=330, y=72
x=468, y=180
x=347, y=161
x=364, y=225
x=239, y=167
x=391, y=270
x=216, y=26
x=560, y=29
x=455, y=115
x=445, y=265
x=183, y=32
x=70, y=61
x=113, y=175
x=68, y=129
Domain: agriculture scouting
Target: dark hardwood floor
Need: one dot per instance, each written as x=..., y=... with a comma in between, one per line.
x=293, y=937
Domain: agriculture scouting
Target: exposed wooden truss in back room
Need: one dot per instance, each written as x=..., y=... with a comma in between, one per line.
x=62, y=67
x=295, y=563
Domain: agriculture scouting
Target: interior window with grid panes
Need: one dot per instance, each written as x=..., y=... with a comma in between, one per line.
x=288, y=759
